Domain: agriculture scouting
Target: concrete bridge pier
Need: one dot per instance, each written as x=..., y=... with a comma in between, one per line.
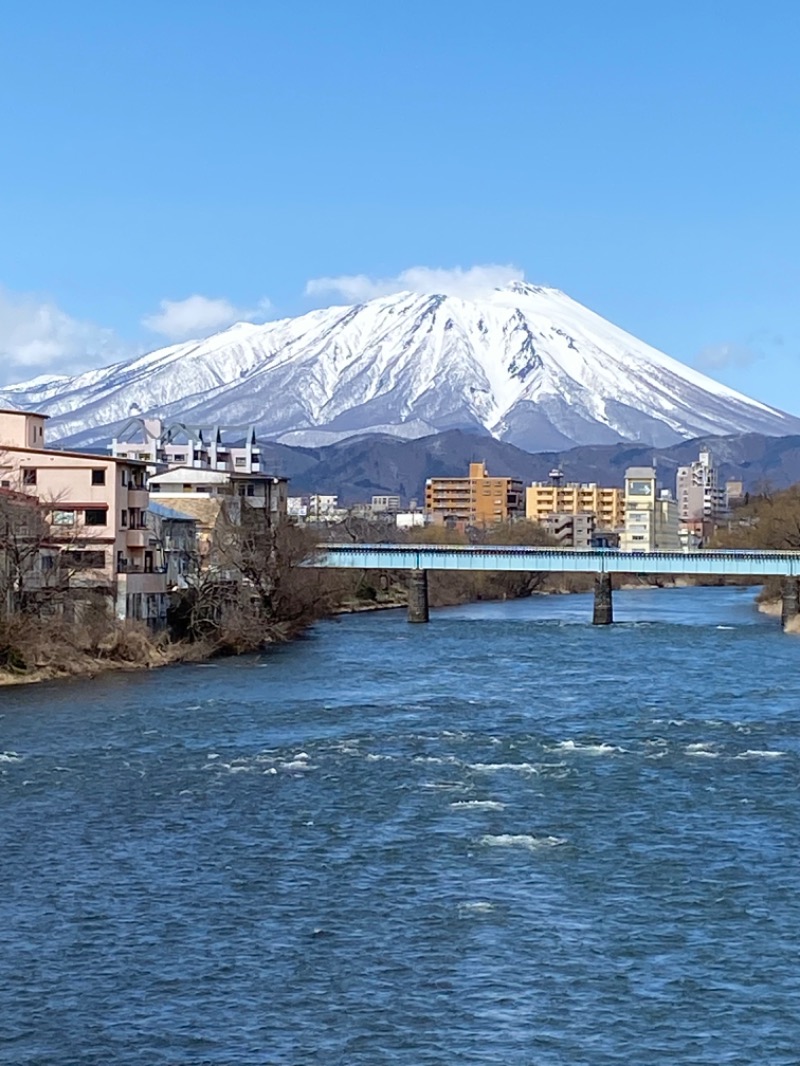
x=790, y=599
x=603, y=605
x=418, y=596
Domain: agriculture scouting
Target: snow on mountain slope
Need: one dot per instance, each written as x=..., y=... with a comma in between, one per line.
x=527, y=364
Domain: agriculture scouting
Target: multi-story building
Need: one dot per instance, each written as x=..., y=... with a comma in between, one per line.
x=149, y=441
x=570, y=530
x=176, y=535
x=606, y=504
x=651, y=516
x=385, y=504
x=702, y=501
x=474, y=500
x=95, y=509
x=322, y=508
x=201, y=493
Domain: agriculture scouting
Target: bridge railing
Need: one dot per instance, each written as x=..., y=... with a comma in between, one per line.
x=555, y=560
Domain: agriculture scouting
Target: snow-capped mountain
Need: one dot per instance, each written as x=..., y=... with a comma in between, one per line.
x=527, y=364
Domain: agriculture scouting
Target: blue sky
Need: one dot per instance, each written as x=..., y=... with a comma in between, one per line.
x=642, y=157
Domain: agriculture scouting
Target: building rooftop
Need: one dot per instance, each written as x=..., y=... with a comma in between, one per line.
x=18, y=411
x=191, y=475
x=169, y=512
x=94, y=457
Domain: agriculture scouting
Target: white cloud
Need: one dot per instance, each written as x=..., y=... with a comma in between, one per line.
x=197, y=316
x=470, y=283
x=723, y=356
x=758, y=345
x=35, y=334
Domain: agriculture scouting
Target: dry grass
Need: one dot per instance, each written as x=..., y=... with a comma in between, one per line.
x=33, y=649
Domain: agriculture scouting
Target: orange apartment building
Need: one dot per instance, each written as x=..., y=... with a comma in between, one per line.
x=95, y=506
x=474, y=500
x=606, y=504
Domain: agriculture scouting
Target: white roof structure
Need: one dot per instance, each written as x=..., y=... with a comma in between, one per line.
x=190, y=475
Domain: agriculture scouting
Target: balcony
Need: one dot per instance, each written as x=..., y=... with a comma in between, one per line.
x=138, y=499
x=138, y=538
x=126, y=566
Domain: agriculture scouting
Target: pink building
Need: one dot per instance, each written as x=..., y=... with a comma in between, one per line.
x=95, y=506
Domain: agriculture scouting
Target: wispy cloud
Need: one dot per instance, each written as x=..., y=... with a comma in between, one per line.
x=36, y=336
x=733, y=354
x=468, y=283
x=197, y=316
x=723, y=356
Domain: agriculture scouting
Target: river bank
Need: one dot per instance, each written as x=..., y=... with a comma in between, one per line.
x=65, y=653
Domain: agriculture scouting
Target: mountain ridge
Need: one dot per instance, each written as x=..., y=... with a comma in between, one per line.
x=526, y=364
x=358, y=468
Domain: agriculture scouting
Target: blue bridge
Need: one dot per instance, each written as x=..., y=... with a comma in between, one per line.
x=418, y=559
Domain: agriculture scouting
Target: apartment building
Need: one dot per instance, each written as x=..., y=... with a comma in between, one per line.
x=95, y=508
x=149, y=440
x=385, y=504
x=315, y=508
x=606, y=504
x=702, y=500
x=477, y=499
x=651, y=516
x=570, y=530
x=201, y=493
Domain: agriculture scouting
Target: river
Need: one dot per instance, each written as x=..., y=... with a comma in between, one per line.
x=506, y=837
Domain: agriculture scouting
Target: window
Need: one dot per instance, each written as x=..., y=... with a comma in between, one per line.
x=240, y=461
x=179, y=458
x=29, y=476
x=124, y=518
x=123, y=476
x=94, y=516
x=99, y=477
x=63, y=518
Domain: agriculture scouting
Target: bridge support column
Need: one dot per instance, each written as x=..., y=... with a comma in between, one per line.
x=790, y=600
x=603, y=606
x=418, y=596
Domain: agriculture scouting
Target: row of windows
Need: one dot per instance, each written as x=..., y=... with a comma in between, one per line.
x=29, y=476
x=92, y=516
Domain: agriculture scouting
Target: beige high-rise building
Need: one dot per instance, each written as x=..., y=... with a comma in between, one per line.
x=651, y=517
x=606, y=504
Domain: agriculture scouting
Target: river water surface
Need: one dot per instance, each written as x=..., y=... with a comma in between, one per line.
x=506, y=837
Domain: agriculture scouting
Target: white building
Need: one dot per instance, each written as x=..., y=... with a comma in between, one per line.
x=410, y=519
x=149, y=441
x=701, y=498
x=385, y=504
x=316, y=508
x=651, y=517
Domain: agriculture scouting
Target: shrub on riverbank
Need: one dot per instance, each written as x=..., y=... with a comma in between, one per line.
x=41, y=648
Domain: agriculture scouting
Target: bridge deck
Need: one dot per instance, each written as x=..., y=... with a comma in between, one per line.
x=556, y=560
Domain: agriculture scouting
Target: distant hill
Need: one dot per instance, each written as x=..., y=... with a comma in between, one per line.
x=359, y=467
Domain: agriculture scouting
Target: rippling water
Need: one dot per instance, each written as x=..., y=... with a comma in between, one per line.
x=505, y=837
